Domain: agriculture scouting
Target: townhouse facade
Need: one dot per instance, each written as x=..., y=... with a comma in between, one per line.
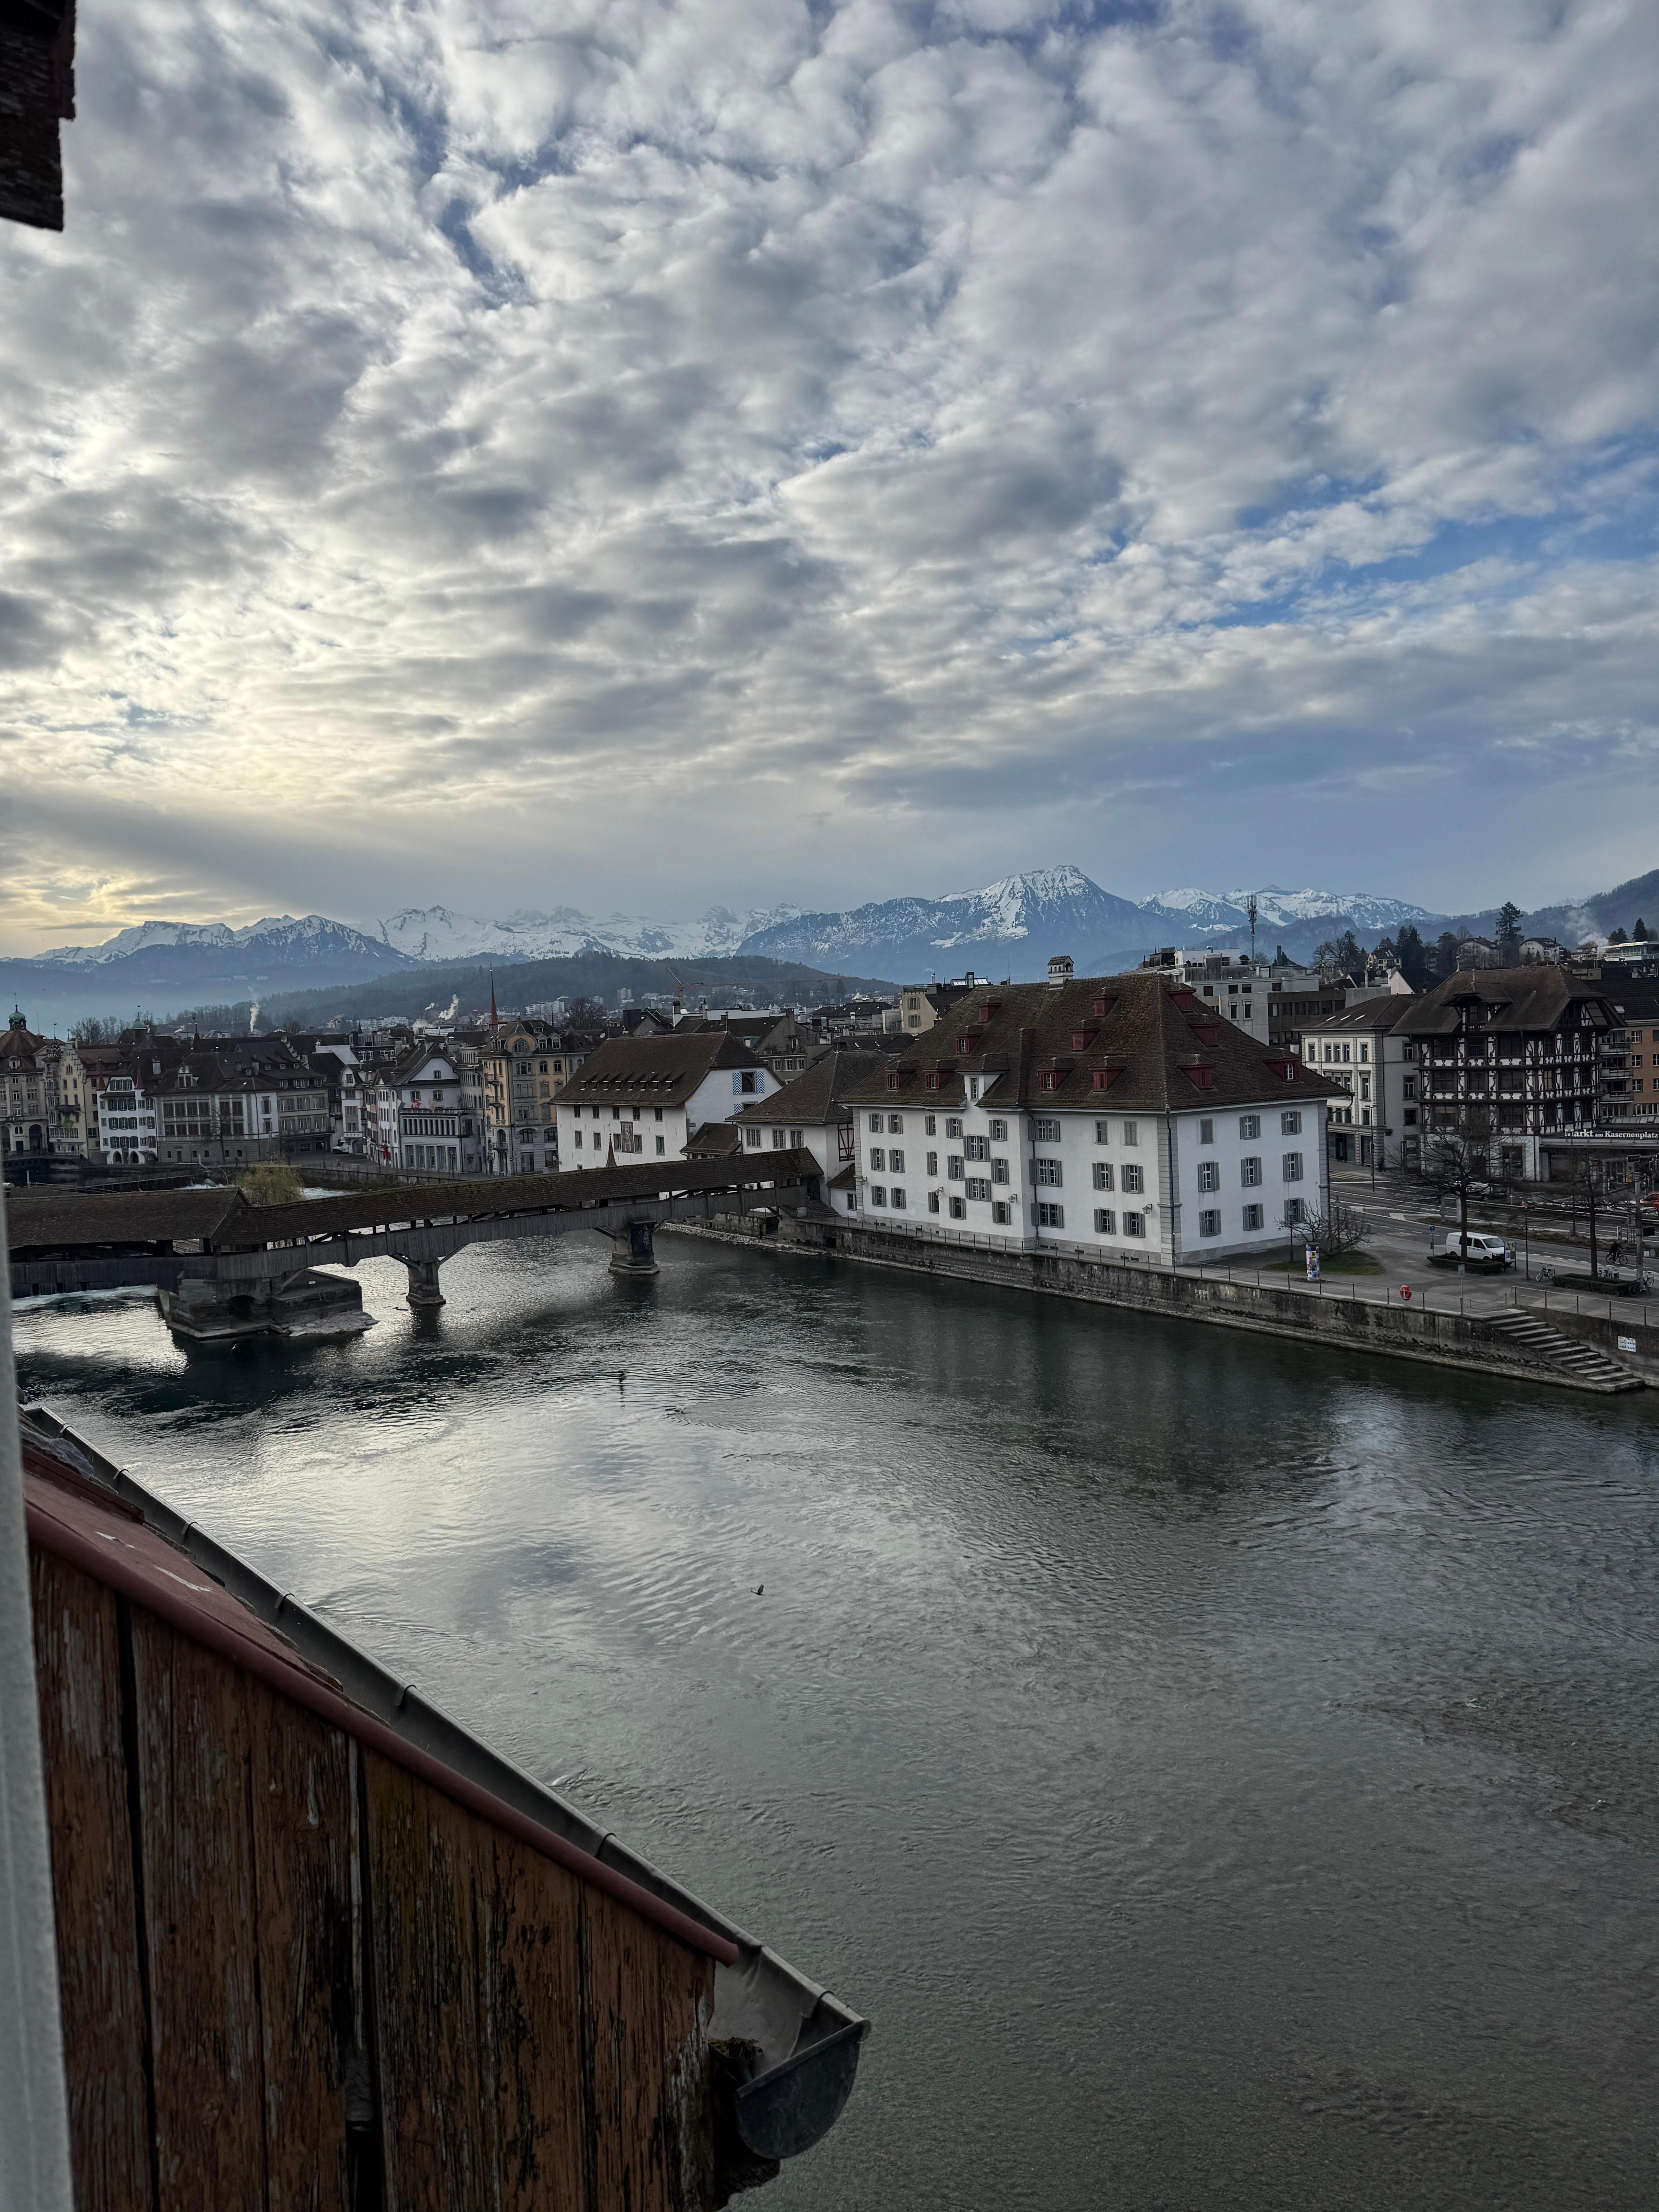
x=522, y=1067
x=29, y=1089
x=1118, y=1114
x=645, y=1097
x=1629, y=1088
x=1516, y=1052
x=233, y=1102
x=921, y=1005
x=1375, y=1116
x=421, y=1101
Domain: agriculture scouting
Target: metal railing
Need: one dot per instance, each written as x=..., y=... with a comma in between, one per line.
x=1352, y=1292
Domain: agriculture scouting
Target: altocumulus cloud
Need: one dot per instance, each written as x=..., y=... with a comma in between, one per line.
x=453, y=439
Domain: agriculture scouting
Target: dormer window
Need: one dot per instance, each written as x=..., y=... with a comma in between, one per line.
x=1201, y=1079
x=969, y=1041
x=1083, y=1038
x=1184, y=997
x=1104, y=1078
x=1207, y=1033
x=986, y=1008
x=1103, y=1005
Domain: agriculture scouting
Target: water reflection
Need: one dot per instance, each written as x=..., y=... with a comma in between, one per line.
x=1224, y=1772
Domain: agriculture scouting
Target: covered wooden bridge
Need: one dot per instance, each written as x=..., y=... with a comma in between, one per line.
x=222, y=1263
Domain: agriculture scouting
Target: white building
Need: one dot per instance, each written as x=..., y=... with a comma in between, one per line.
x=435, y=1129
x=1119, y=1113
x=812, y=1113
x=121, y=1120
x=1371, y=1069
x=642, y=1098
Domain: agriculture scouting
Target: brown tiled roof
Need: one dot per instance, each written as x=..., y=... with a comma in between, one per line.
x=1538, y=997
x=1386, y=1012
x=816, y=1098
x=714, y=1140
x=1147, y=1032
x=656, y=1071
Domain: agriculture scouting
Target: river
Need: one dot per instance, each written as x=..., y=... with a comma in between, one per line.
x=1226, y=1774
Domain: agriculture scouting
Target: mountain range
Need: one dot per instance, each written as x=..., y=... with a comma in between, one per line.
x=1008, y=927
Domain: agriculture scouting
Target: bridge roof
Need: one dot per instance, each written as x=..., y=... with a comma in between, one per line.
x=224, y=1221
x=48, y=1220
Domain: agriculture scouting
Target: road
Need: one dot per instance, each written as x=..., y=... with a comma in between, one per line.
x=1402, y=1216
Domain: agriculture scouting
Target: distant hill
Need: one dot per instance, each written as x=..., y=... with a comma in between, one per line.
x=1006, y=928
x=161, y=966
x=447, y=989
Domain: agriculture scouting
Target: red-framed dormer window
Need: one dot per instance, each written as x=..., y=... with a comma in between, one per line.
x=985, y=1009
x=1104, y=1078
x=1184, y=997
x=1104, y=1003
x=1201, y=1079
x=969, y=1041
x=1207, y=1033
x=1051, y=1079
x=1082, y=1039
x=936, y=1079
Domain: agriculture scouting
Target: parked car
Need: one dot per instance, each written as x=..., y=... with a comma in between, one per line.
x=1477, y=1249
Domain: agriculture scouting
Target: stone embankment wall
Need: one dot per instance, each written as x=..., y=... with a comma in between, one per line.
x=1628, y=1338
x=1444, y=1340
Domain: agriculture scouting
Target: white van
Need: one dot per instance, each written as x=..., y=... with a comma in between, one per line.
x=1477, y=1249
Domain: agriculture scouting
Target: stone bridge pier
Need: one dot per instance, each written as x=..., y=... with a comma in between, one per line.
x=423, y=1292
x=633, y=1249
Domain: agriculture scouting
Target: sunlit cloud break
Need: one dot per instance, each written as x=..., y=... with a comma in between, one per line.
x=816, y=452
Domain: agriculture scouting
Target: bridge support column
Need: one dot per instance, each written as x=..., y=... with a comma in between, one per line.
x=633, y=1252
x=423, y=1292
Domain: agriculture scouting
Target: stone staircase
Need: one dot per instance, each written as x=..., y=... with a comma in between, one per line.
x=1579, y=1363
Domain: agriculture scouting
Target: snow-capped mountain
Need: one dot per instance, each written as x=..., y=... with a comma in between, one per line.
x=162, y=966
x=1277, y=908
x=433, y=933
x=279, y=938
x=1009, y=926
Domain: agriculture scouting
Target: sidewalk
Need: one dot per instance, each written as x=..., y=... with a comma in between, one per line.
x=1404, y=1221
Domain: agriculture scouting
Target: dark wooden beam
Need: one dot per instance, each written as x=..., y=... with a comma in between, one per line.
x=37, y=93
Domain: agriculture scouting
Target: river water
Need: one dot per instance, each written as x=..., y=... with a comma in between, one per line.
x=1228, y=1775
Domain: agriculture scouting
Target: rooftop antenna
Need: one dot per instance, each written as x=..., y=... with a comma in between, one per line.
x=1249, y=908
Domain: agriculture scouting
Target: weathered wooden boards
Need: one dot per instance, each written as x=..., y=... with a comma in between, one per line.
x=78, y=1664
x=295, y=1976
x=559, y=2053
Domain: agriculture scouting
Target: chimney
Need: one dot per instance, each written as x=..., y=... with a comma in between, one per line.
x=1059, y=970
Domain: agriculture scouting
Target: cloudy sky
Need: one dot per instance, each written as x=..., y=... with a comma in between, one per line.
x=641, y=455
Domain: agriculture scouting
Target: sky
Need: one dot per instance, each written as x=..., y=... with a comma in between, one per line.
x=642, y=456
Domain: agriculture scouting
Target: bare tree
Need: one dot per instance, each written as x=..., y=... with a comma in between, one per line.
x=1582, y=1189
x=1456, y=1154
x=1336, y=1232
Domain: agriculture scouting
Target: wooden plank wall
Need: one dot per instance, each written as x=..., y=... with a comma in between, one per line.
x=294, y=1977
